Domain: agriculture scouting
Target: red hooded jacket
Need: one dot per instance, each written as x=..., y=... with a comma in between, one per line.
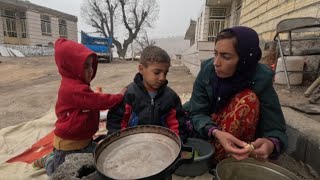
x=77, y=106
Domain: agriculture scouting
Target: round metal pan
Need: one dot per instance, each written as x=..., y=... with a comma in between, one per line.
x=141, y=152
x=251, y=169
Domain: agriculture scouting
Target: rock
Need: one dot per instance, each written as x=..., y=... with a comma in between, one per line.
x=76, y=166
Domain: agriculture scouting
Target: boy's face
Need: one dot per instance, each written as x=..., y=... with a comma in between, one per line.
x=154, y=76
x=88, y=70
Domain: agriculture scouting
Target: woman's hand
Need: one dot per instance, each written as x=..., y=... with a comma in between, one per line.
x=263, y=147
x=232, y=145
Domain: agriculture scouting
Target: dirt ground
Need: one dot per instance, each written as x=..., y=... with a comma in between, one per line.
x=28, y=89
x=28, y=86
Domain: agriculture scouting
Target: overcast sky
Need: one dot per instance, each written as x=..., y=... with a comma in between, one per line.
x=174, y=16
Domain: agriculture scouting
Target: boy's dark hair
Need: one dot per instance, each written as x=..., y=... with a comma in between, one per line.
x=154, y=54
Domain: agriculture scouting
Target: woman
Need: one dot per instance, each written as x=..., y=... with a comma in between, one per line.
x=224, y=106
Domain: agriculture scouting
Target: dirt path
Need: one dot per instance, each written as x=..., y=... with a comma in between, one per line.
x=28, y=87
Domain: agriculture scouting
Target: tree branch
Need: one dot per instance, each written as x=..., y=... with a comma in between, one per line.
x=122, y=3
x=136, y=15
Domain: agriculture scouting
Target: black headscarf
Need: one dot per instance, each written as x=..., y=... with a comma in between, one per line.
x=249, y=54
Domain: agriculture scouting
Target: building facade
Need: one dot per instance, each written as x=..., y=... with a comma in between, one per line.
x=261, y=15
x=214, y=16
x=264, y=15
x=24, y=23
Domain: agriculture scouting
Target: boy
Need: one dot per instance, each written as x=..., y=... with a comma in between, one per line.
x=77, y=107
x=148, y=100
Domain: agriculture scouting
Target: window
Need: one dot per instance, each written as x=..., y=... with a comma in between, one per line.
x=22, y=15
x=45, y=24
x=63, y=28
x=217, y=13
x=11, y=27
x=215, y=26
x=14, y=23
x=9, y=23
x=217, y=22
x=8, y=13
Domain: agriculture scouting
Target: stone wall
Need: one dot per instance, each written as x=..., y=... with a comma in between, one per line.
x=32, y=50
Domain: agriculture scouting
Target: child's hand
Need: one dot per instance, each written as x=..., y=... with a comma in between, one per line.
x=123, y=91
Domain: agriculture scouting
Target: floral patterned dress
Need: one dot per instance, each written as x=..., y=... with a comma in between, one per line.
x=239, y=118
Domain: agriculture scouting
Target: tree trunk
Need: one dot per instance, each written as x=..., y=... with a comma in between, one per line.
x=122, y=51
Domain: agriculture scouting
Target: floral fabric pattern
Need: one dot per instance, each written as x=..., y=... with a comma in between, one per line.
x=239, y=118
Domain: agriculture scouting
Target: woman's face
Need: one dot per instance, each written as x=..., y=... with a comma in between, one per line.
x=225, y=58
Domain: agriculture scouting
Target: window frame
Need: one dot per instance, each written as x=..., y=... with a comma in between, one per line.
x=217, y=22
x=45, y=25
x=63, y=28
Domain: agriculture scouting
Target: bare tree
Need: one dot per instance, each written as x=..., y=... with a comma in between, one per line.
x=143, y=41
x=120, y=19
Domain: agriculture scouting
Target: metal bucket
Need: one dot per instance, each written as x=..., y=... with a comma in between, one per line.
x=251, y=169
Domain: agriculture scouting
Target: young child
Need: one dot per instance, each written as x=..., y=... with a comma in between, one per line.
x=148, y=100
x=77, y=107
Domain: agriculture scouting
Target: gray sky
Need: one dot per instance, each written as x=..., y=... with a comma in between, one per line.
x=174, y=16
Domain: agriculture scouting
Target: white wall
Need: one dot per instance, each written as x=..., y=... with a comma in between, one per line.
x=190, y=58
x=34, y=29
x=1, y=32
x=202, y=26
x=72, y=30
x=205, y=24
x=35, y=34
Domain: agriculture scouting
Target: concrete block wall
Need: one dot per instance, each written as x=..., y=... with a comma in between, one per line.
x=264, y=15
x=303, y=141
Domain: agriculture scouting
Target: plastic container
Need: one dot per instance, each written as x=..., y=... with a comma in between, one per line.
x=293, y=63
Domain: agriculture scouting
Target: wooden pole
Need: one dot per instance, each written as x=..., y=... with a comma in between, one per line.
x=315, y=84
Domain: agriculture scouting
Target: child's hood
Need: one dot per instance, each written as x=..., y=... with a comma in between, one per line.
x=70, y=57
